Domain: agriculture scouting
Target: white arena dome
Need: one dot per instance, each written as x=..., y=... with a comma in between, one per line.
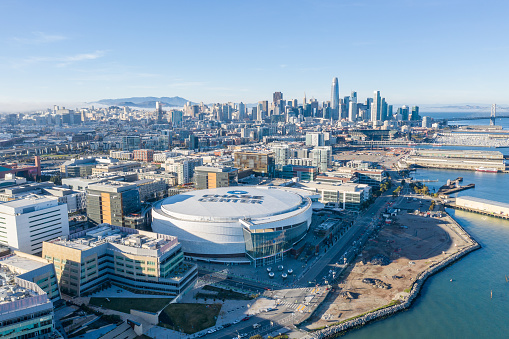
x=235, y=224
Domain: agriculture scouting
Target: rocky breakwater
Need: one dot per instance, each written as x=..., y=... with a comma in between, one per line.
x=405, y=303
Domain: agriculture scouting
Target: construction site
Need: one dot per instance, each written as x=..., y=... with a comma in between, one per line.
x=383, y=274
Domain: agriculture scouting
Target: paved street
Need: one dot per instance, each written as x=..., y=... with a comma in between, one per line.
x=295, y=304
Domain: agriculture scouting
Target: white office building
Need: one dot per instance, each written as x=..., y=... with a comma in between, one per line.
x=25, y=224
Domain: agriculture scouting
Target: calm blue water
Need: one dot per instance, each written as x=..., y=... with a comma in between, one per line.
x=440, y=115
x=462, y=308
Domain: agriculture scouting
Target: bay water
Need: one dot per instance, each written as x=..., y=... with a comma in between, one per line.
x=464, y=307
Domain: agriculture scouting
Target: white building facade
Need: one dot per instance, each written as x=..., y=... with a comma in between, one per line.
x=25, y=224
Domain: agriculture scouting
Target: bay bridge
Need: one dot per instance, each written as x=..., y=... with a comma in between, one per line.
x=493, y=116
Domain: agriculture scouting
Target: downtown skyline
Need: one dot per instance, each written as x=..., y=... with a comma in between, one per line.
x=435, y=53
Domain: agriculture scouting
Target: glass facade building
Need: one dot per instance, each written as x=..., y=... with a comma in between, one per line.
x=268, y=246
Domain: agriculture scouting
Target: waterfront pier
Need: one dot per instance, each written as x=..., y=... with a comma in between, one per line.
x=481, y=206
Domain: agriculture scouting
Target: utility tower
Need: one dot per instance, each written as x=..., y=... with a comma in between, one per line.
x=493, y=114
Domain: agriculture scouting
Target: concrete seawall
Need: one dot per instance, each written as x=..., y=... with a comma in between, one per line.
x=337, y=330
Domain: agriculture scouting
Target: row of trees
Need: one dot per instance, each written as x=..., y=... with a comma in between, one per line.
x=396, y=192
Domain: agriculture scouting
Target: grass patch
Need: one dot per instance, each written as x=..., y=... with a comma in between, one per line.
x=407, y=290
x=223, y=294
x=126, y=304
x=189, y=318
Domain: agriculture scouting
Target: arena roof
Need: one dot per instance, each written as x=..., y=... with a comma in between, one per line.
x=232, y=203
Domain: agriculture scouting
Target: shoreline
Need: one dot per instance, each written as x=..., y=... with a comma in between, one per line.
x=378, y=314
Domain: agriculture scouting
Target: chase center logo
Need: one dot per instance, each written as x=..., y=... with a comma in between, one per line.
x=241, y=197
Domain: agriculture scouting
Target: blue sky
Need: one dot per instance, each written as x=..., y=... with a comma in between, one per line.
x=414, y=52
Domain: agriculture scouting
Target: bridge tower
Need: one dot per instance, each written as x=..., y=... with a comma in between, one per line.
x=493, y=114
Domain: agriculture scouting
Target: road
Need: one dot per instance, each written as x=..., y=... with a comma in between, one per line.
x=295, y=304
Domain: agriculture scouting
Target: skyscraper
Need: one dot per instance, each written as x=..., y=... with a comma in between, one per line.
x=383, y=115
x=159, y=112
x=276, y=97
x=376, y=107
x=242, y=111
x=353, y=96
x=415, y=113
x=335, y=98
x=352, y=110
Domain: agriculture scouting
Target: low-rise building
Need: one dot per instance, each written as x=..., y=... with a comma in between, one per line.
x=138, y=260
x=347, y=196
x=25, y=309
x=151, y=189
x=304, y=173
x=146, y=155
x=35, y=269
x=118, y=167
x=121, y=155
x=262, y=163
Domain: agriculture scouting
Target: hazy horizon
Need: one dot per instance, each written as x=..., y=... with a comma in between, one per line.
x=413, y=52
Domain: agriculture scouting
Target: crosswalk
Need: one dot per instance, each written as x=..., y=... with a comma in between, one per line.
x=293, y=306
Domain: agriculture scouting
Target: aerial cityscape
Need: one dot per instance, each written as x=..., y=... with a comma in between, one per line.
x=254, y=170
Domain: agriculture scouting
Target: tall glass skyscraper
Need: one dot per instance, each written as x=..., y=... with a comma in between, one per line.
x=335, y=98
x=376, y=107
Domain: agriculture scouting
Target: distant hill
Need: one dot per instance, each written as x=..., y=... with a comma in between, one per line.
x=145, y=102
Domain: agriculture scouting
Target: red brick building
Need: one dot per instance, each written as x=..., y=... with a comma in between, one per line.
x=146, y=155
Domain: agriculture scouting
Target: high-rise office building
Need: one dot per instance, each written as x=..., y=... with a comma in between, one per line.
x=276, y=97
x=376, y=107
x=383, y=113
x=415, y=113
x=110, y=202
x=176, y=118
x=335, y=104
x=353, y=96
x=352, y=111
x=193, y=142
x=403, y=112
x=159, y=112
x=242, y=111
x=389, y=112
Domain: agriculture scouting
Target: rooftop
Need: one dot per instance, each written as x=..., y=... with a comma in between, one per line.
x=344, y=187
x=232, y=203
x=22, y=262
x=21, y=205
x=112, y=186
x=10, y=290
x=484, y=201
x=105, y=233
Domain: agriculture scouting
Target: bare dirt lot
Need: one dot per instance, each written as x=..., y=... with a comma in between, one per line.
x=390, y=261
